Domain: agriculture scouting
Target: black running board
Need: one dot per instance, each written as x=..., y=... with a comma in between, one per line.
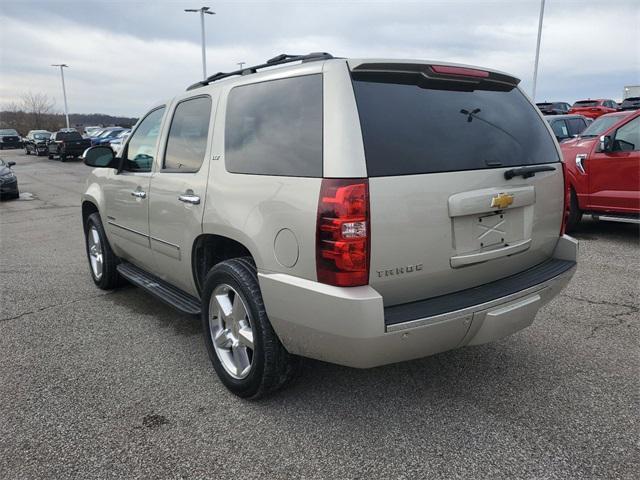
x=159, y=288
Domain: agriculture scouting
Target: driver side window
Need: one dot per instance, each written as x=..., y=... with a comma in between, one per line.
x=141, y=148
x=628, y=137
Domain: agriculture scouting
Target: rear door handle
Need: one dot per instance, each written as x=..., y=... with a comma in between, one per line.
x=189, y=198
x=139, y=193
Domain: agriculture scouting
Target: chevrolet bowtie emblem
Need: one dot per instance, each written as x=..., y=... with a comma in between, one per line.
x=502, y=200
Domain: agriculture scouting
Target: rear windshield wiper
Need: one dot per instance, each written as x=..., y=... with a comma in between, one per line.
x=526, y=172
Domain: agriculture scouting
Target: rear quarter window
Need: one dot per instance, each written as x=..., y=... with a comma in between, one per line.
x=409, y=129
x=275, y=128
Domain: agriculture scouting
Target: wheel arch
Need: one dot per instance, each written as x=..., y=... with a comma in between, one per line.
x=210, y=249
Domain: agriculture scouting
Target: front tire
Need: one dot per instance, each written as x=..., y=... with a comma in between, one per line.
x=102, y=260
x=575, y=214
x=242, y=345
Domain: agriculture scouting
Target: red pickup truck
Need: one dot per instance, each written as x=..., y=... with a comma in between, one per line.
x=594, y=108
x=602, y=167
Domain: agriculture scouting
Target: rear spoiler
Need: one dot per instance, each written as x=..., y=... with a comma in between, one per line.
x=440, y=73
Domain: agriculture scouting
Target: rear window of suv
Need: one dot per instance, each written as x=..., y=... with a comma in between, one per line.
x=408, y=129
x=275, y=128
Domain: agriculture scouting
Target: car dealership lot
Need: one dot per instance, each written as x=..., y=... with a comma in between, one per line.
x=96, y=384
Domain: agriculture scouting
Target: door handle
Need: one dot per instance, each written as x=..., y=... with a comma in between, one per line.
x=189, y=198
x=139, y=193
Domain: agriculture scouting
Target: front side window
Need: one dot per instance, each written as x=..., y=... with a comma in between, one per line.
x=560, y=129
x=275, y=128
x=188, y=134
x=628, y=137
x=141, y=149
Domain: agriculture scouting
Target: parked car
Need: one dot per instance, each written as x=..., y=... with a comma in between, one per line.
x=603, y=169
x=67, y=144
x=553, y=108
x=36, y=142
x=567, y=126
x=358, y=212
x=120, y=139
x=594, y=108
x=10, y=138
x=106, y=136
x=631, y=103
x=8, y=181
x=89, y=130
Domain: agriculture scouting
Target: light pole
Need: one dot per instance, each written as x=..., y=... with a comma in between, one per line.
x=240, y=64
x=202, y=11
x=64, y=90
x=535, y=67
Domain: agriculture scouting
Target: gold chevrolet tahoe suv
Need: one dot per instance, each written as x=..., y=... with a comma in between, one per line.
x=360, y=212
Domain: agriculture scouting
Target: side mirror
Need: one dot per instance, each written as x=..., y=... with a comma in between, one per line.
x=99, y=156
x=606, y=143
x=10, y=164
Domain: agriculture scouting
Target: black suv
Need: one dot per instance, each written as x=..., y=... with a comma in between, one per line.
x=631, y=103
x=36, y=142
x=553, y=108
x=9, y=138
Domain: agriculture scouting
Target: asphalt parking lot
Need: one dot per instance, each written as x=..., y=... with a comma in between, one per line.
x=115, y=384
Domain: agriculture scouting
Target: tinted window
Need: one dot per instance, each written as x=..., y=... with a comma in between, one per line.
x=559, y=128
x=585, y=103
x=628, y=136
x=275, y=128
x=141, y=148
x=576, y=125
x=188, y=135
x=411, y=129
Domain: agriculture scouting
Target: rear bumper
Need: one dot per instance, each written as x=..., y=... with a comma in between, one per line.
x=347, y=326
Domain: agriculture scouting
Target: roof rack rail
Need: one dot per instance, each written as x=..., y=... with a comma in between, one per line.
x=277, y=60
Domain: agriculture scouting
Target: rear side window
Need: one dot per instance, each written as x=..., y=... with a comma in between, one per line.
x=275, y=128
x=188, y=134
x=409, y=129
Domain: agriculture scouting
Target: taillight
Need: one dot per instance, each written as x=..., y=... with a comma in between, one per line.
x=342, y=232
x=567, y=200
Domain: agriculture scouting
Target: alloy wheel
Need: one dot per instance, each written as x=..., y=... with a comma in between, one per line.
x=231, y=331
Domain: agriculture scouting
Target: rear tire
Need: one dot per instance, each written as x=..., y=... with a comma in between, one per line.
x=575, y=214
x=102, y=260
x=248, y=372
x=26, y=151
x=50, y=157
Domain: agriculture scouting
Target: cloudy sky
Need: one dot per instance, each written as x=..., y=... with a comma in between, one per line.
x=125, y=55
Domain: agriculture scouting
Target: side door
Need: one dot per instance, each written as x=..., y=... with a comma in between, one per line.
x=127, y=193
x=614, y=176
x=176, y=201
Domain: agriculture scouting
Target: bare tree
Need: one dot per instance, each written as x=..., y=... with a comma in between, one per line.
x=38, y=105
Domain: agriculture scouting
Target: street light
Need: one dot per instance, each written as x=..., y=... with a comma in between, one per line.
x=202, y=11
x=64, y=90
x=535, y=67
